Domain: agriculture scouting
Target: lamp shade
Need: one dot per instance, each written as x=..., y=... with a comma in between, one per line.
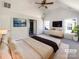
x=3, y=31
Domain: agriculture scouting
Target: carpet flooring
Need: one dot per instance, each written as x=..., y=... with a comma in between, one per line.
x=73, y=48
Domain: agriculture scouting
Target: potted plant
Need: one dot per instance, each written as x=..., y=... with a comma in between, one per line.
x=76, y=30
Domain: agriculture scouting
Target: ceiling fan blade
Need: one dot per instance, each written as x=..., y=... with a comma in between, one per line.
x=37, y=3
x=50, y=3
x=44, y=1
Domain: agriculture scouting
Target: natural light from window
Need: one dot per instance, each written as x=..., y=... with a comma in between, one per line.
x=69, y=25
x=47, y=24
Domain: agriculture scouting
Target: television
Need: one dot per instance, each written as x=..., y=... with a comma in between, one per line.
x=57, y=24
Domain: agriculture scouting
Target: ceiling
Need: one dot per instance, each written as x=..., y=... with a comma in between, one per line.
x=28, y=7
x=32, y=9
x=57, y=3
x=72, y=3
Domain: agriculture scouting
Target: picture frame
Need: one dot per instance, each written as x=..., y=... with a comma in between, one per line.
x=19, y=22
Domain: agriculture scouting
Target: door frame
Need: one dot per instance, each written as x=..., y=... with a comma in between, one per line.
x=34, y=26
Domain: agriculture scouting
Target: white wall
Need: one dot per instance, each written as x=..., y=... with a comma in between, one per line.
x=15, y=32
x=19, y=9
x=39, y=26
x=21, y=6
x=61, y=14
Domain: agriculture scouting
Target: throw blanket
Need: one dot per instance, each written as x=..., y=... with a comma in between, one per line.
x=48, y=42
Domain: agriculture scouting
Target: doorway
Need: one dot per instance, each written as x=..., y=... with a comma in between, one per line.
x=33, y=27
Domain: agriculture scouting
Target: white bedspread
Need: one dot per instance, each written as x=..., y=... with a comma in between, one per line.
x=29, y=49
x=26, y=51
x=42, y=49
x=33, y=49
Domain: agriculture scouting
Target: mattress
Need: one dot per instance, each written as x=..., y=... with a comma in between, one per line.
x=45, y=51
x=56, y=40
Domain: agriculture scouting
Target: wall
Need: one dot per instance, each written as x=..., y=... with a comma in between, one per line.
x=6, y=23
x=61, y=14
x=21, y=6
x=39, y=26
x=19, y=9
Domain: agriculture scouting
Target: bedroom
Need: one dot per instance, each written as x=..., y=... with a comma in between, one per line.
x=27, y=9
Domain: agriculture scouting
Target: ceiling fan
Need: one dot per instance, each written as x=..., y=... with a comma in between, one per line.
x=44, y=3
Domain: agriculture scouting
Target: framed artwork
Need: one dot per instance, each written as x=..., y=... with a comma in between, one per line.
x=19, y=22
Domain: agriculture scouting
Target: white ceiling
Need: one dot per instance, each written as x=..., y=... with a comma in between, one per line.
x=57, y=3
x=28, y=7
x=71, y=3
x=32, y=9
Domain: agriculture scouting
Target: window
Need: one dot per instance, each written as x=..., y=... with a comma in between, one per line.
x=69, y=25
x=47, y=24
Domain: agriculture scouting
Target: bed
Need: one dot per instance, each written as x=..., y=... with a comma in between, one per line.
x=45, y=51
x=47, y=42
x=17, y=50
x=30, y=48
x=27, y=48
x=61, y=53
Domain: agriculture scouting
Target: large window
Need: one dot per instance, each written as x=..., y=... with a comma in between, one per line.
x=69, y=25
x=46, y=24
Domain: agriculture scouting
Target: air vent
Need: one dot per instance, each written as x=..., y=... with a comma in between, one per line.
x=7, y=5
